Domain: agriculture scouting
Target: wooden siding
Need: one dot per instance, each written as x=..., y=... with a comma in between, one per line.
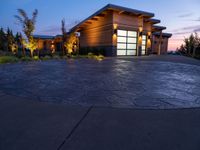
x=125, y=22
x=98, y=33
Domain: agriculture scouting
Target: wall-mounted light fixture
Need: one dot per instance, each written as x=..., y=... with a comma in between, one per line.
x=140, y=33
x=149, y=37
x=115, y=29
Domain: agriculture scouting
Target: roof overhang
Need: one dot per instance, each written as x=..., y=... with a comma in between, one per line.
x=101, y=13
x=153, y=21
x=158, y=28
x=168, y=35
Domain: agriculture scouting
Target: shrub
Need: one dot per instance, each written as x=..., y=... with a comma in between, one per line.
x=65, y=57
x=8, y=59
x=90, y=55
x=26, y=58
x=36, y=58
x=46, y=57
x=99, y=57
x=56, y=57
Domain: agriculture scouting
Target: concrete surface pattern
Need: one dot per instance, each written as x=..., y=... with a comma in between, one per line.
x=114, y=82
x=116, y=104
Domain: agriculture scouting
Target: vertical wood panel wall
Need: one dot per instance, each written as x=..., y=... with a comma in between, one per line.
x=98, y=33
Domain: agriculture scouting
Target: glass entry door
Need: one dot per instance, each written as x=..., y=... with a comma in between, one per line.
x=144, y=43
x=126, y=43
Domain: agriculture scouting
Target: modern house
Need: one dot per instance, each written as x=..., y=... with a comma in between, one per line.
x=121, y=31
x=45, y=42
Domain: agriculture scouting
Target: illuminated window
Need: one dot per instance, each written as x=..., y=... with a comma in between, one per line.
x=132, y=34
x=132, y=40
x=121, y=32
x=121, y=39
x=121, y=52
x=131, y=52
x=121, y=45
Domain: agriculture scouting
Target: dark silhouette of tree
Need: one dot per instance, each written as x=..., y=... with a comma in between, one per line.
x=64, y=35
x=28, y=24
x=2, y=39
x=191, y=46
x=10, y=39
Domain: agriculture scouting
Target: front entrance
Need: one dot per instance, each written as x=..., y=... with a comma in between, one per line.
x=127, y=43
x=144, y=43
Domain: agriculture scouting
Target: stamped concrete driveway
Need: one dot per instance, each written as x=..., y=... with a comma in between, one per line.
x=148, y=82
x=90, y=105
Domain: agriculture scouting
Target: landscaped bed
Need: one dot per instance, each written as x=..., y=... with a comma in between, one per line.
x=14, y=59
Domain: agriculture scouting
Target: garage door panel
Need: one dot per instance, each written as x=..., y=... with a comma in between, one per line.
x=126, y=42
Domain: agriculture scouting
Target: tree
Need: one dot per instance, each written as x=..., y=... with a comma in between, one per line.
x=28, y=26
x=2, y=39
x=191, y=46
x=196, y=44
x=21, y=44
x=31, y=45
x=10, y=39
x=71, y=43
x=64, y=35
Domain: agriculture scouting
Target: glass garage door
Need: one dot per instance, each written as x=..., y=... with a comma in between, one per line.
x=126, y=43
x=144, y=43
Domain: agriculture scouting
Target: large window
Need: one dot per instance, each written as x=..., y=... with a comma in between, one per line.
x=144, y=43
x=126, y=42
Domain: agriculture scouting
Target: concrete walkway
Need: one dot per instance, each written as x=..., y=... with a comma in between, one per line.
x=31, y=125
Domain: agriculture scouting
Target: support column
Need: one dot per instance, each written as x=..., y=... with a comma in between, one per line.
x=140, y=30
x=160, y=43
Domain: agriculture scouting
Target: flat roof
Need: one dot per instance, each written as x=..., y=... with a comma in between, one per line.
x=115, y=7
x=43, y=37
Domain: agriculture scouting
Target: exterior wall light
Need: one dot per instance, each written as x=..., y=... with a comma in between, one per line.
x=115, y=29
x=140, y=33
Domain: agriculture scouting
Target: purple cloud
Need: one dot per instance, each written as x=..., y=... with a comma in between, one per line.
x=185, y=15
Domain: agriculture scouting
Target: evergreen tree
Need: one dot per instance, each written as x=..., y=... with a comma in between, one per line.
x=2, y=39
x=10, y=39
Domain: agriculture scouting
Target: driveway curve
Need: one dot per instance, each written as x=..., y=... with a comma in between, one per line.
x=142, y=83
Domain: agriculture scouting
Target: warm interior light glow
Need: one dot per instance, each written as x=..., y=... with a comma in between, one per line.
x=140, y=29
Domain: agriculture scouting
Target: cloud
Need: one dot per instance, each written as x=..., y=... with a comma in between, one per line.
x=198, y=19
x=185, y=15
x=56, y=29
x=190, y=27
x=197, y=30
x=186, y=30
x=182, y=33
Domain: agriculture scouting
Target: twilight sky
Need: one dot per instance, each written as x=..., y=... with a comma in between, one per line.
x=181, y=17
